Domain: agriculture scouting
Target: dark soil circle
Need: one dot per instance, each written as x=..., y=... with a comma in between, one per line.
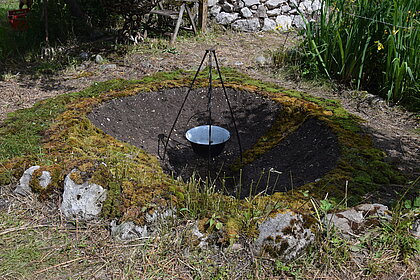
x=302, y=157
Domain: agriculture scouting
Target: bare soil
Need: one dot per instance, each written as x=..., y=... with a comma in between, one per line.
x=302, y=157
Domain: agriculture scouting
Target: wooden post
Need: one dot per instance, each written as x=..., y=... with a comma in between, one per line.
x=202, y=15
x=47, y=39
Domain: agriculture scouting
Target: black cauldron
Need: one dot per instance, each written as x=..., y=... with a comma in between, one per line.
x=199, y=139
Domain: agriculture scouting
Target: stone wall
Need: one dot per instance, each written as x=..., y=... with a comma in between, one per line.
x=262, y=15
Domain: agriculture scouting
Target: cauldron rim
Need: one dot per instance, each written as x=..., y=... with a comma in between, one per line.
x=216, y=131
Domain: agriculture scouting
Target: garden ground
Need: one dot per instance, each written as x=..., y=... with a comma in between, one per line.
x=51, y=249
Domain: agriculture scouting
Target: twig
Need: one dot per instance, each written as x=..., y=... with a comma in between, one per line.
x=60, y=264
x=22, y=228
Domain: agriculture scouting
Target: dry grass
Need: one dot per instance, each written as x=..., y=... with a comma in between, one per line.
x=37, y=243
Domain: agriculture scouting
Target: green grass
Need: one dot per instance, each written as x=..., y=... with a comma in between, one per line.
x=29, y=124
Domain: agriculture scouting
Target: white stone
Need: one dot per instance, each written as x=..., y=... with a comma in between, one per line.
x=269, y=24
x=246, y=12
x=298, y=22
x=274, y=12
x=261, y=12
x=83, y=202
x=316, y=5
x=99, y=59
x=249, y=3
x=306, y=7
x=247, y=25
x=285, y=8
x=215, y=10
x=23, y=187
x=271, y=4
x=227, y=7
x=127, y=231
x=45, y=179
x=261, y=60
x=211, y=3
x=226, y=18
x=355, y=221
x=284, y=23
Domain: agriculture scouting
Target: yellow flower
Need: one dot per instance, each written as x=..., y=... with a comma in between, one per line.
x=379, y=45
x=385, y=32
x=394, y=32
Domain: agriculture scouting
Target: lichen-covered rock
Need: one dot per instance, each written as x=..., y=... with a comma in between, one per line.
x=128, y=231
x=23, y=188
x=284, y=236
x=82, y=201
x=247, y=25
x=357, y=220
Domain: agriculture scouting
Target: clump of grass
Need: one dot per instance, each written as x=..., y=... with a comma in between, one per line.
x=371, y=45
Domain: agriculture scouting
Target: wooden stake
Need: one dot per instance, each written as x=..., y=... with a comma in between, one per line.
x=202, y=15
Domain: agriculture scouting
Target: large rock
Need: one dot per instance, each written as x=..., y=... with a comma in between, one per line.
x=357, y=220
x=226, y=18
x=284, y=22
x=82, y=202
x=249, y=3
x=247, y=25
x=284, y=236
x=23, y=188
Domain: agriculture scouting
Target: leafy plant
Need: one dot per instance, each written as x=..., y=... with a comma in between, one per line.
x=369, y=44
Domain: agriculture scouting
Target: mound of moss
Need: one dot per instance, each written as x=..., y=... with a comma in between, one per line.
x=57, y=135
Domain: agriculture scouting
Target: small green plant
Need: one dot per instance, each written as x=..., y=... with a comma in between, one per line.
x=214, y=223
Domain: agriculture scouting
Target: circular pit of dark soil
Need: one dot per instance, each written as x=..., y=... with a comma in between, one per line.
x=304, y=156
